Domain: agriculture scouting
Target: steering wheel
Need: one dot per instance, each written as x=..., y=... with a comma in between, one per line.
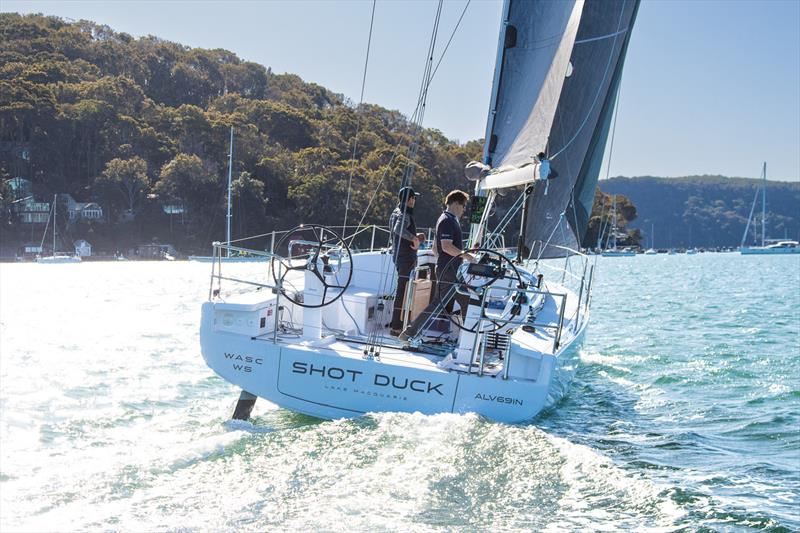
x=307, y=245
x=474, y=280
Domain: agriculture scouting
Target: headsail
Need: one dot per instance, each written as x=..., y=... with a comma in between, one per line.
x=559, y=73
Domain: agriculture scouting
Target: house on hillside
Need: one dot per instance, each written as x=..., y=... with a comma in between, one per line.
x=173, y=209
x=24, y=204
x=82, y=248
x=30, y=211
x=20, y=188
x=82, y=210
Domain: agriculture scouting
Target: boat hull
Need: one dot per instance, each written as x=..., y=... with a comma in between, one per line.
x=744, y=250
x=619, y=254
x=327, y=384
x=211, y=259
x=57, y=260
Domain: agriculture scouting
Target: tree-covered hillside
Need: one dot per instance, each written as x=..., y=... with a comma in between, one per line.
x=707, y=210
x=141, y=126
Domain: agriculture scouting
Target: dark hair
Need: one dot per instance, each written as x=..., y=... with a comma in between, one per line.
x=456, y=196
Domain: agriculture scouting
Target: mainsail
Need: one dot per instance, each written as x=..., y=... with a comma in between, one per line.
x=559, y=69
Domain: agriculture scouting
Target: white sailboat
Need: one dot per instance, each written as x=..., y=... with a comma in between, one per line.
x=691, y=250
x=56, y=257
x=652, y=250
x=312, y=336
x=239, y=257
x=614, y=251
x=768, y=247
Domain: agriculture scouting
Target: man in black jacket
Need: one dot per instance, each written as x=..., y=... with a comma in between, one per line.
x=405, y=242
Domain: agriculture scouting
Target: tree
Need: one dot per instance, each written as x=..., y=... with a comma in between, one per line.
x=190, y=181
x=249, y=204
x=123, y=184
x=601, y=220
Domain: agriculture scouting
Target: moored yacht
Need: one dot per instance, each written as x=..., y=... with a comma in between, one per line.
x=778, y=247
x=239, y=257
x=56, y=257
x=768, y=246
x=615, y=251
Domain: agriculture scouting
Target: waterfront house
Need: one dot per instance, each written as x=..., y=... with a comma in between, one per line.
x=82, y=248
x=82, y=210
x=30, y=211
x=30, y=250
x=20, y=188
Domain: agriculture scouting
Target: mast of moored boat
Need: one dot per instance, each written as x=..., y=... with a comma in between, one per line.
x=55, y=206
x=652, y=236
x=228, y=216
x=749, y=220
x=763, y=204
x=614, y=227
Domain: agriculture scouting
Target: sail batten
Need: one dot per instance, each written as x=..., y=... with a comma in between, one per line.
x=555, y=94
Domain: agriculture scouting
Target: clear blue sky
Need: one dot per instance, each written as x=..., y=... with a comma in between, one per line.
x=710, y=87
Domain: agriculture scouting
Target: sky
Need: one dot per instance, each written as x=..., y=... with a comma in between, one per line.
x=709, y=87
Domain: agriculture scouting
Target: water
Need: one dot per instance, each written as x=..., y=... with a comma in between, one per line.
x=684, y=415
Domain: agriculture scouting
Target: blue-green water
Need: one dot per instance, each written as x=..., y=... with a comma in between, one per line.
x=684, y=415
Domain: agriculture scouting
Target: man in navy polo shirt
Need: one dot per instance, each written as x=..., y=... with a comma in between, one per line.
x=449, y=246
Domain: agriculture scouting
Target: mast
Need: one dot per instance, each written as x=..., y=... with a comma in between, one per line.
x=614, y=227
x=55, y=205
x=763, y=203
x=47, y=226
x=601, y=229
x=749, y=220
x=498, y=67
x=652, y=236
x=228, y=217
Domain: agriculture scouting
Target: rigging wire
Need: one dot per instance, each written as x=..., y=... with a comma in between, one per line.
x=358, y=121
x=375, y=340
x=602, y=230
x=510, y=214
x=413, y=119
x=610, y=155
x=50, y=215
x=423, y=99
x=547, y=243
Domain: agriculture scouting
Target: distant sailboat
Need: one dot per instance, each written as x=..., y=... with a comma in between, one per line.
x=614, y=251
x=227, y=258
x=691, y=250
x=775, y=247
x=55, y=257
x=652, y=250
